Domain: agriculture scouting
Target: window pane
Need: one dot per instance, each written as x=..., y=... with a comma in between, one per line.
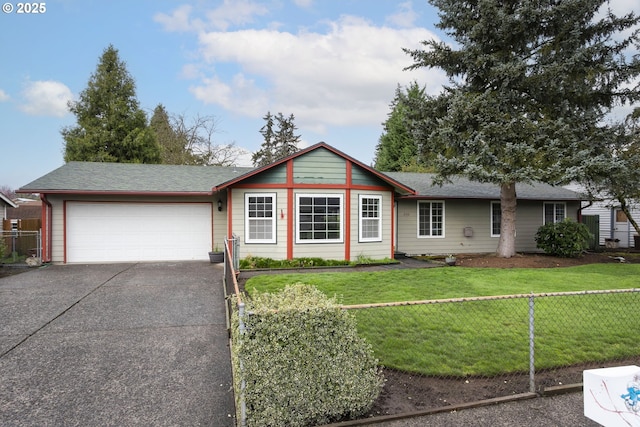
x=430, y=219
x=559, y=212
x=316, y=215
x=554, y=212
x=621, y=216
x=496, y=218
x=370, y=228
x=370, y=218
x=548, y=213
x=259, y=214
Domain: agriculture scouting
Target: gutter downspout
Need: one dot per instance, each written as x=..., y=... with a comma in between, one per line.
x=47, y=209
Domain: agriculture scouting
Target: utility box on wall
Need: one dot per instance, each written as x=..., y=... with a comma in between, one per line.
x=468, y=232
x=612, y=395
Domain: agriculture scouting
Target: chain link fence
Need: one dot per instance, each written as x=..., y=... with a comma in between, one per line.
x=439, y=353
x=17, y=245
x=461, y=350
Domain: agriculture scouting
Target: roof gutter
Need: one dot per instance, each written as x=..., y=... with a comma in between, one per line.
x=125, y=193
x=497, y=197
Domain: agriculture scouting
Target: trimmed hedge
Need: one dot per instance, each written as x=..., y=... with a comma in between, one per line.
x=302, y=361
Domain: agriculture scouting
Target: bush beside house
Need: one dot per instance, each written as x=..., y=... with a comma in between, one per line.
x=301, y=361
x=567, y=238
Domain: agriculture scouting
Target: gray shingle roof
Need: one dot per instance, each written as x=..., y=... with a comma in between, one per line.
x=143, y=178
x=130, y=177
x=462, y=188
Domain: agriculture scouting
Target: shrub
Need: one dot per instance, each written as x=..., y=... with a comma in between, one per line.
x=4, y=250
x=564, y=239
x=251, y=262
x=302, y=360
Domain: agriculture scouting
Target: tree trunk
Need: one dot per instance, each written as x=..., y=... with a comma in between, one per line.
x=507, y=243
x=625, y=208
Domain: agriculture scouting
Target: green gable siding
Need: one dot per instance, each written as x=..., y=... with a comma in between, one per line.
x=320, y=166
x=275, y=175
x=359, y=176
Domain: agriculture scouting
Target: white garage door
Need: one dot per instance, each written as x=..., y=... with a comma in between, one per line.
x=117, y=232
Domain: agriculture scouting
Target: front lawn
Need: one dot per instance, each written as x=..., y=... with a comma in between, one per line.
x=438, y=283
x=485, y=337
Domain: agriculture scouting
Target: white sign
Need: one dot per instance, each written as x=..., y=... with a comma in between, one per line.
x=612, y=395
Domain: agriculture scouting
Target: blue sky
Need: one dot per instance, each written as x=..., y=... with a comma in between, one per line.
x=334, y=64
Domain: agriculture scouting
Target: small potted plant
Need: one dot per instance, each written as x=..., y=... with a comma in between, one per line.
x=450, y=259
x=216, y=255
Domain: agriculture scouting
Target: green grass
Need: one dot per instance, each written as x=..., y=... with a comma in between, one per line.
x=485, y=337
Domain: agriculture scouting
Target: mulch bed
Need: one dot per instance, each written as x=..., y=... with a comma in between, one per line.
x=405, y=393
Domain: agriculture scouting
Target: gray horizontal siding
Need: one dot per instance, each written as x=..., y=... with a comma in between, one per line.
x=476, y=214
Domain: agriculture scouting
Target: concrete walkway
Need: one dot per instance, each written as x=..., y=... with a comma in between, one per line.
x=119, y=344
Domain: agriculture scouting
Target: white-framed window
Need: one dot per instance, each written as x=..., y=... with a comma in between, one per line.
x=370, y=218
x=496, y=219
x=319, y=218
x=554, y=212
x=430, y=218
x=260, y=217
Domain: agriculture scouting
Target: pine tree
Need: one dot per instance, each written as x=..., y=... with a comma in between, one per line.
x=397, y=149
x=266, y=154
x=278, y=143
x=172, y=146
x=530, y=84
x=111, y=127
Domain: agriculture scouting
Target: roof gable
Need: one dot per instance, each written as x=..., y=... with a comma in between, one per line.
x=310, y=163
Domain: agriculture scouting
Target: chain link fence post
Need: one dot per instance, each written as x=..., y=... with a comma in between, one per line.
x=532, y=340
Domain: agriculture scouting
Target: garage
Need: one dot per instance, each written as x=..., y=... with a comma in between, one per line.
x=127, y=232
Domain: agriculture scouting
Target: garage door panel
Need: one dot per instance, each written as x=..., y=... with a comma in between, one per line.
x=120, y=232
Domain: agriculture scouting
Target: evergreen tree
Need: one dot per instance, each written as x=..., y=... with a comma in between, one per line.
x=278, y=143
x=173, y=150
x=531, y=82
x=266, y=154
x=397, y=149
x=286, y=139
x=111, y=127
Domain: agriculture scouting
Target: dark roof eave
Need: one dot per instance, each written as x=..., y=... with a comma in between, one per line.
x=440, y=197
x=120, y=193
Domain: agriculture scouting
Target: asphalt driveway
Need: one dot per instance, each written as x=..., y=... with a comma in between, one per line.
x=117, y=344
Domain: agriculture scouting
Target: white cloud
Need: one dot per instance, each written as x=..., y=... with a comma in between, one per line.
x=405, y=17
x=178, y=20
x=236, y=12
x=230, y=12
x=339, y=77
x=303, y=3
x=46, y=98
x=4, y=96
